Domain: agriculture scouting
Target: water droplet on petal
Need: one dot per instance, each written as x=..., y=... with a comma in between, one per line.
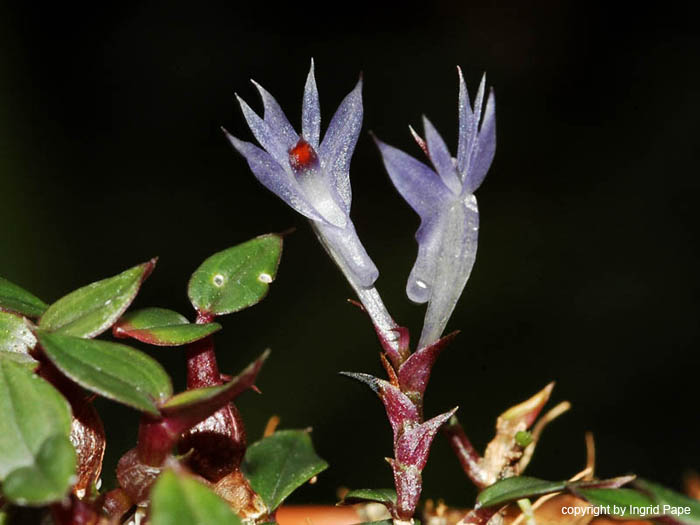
x=265, y=278
x=218, y=280
x=421, y=284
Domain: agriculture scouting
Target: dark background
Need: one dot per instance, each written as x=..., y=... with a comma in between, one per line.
x=110, y=153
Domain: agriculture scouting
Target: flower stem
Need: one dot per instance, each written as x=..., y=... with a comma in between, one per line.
x=369, y=297
x=219, y=441
x=202, y=368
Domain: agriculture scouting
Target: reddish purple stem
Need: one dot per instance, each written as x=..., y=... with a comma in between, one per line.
x=202, y=369
x=468, y=457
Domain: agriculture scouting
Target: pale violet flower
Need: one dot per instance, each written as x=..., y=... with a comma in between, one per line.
x=444, y=199
x=309, y=174
x=312, y=176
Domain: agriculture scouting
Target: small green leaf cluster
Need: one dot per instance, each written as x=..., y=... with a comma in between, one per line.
x=51, y=366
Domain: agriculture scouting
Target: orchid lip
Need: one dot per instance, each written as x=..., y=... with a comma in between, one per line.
x=302, y=157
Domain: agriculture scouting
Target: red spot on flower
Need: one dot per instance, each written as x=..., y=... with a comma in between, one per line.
x=302, y=156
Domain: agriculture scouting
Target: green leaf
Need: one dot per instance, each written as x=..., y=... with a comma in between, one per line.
x=200, y=398
x=625, y=501
x=515, y=488
x=663, y=496
x=237, y=277
x=31, y=410
x=25, y=360
x=48, y=479
x=17, y=299
x=161, y=327
x=278, y=464
x=386, y=496
x=180, y=500
x=15, y=334
x=115, y=371
x=92, y=309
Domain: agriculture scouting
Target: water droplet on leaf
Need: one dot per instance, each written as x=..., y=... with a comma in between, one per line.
x=218, y=280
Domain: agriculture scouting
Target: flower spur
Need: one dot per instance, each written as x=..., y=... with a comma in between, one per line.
x=444, y=199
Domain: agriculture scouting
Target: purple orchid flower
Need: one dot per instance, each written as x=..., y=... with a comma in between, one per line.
x=312, y=175
x=444, y=199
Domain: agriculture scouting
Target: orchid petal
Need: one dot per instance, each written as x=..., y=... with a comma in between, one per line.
x=459, y=233
x=318, y=189
x=466, y=115
x=273, y=141
x=311, y=110
x=273, y=177
x=413, y=446
x=484, y=149
x=417, y=183
x=468, y=123
x=441, y=158
x=339, y=142
x=276, y=119
x=347, y=247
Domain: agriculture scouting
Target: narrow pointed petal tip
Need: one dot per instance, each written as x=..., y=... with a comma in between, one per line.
x=311, y=110
x=528, y=410
x=441, y=158
x=419, y=140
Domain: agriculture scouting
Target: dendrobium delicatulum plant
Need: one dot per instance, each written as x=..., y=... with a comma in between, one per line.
x=192, y=463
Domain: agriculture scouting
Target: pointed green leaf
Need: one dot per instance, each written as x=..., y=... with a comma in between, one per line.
x=17, y=299
x=48, y=479
x=15, y=334
x=92, y=309
x=237, y=277
x=666, y=497
x=31, y=411
x=278, y=464
x=112, y=370
x=161, y=327
x=181, y=500
x=194, y=397
x=515, y=488
x=197, y=398
x=386, y=496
